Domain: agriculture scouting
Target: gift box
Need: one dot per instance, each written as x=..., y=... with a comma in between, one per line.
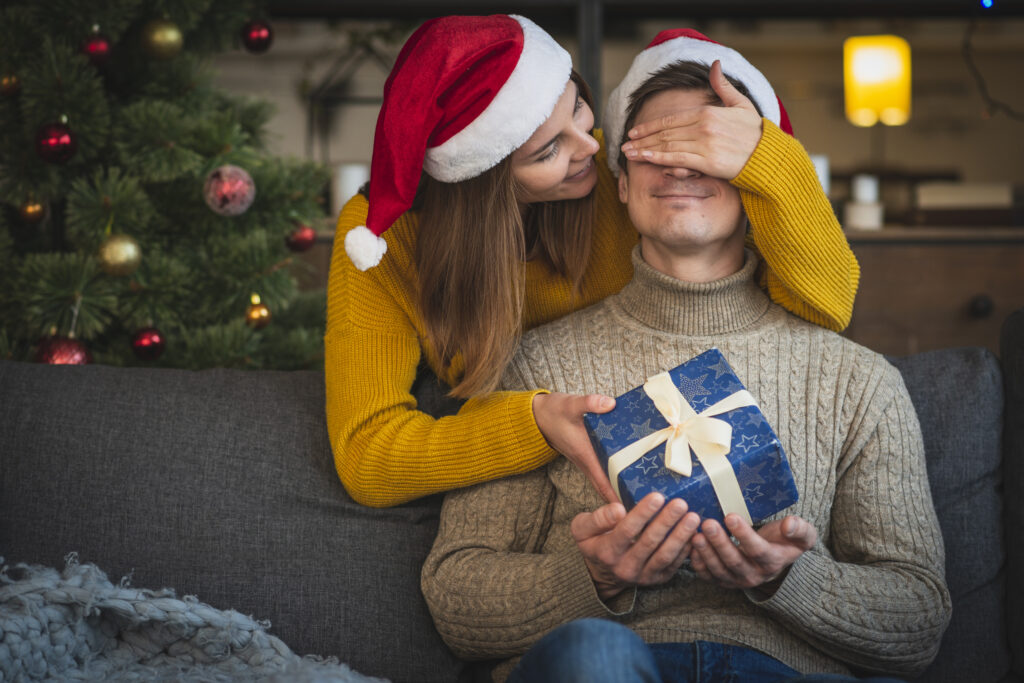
x=694, y=432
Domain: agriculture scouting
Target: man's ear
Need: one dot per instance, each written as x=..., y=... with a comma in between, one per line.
x=623, y=185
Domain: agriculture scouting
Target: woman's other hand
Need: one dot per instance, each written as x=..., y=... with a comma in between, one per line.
x=560, y=419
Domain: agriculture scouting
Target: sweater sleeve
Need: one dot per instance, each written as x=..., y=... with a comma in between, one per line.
x=385, y=450
x=811, y=270
x=490, y=589
x=876, y=597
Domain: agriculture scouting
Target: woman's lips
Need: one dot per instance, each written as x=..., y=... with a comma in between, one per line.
x=582, y=172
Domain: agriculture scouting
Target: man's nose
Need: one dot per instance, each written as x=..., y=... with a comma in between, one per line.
x=681, y=173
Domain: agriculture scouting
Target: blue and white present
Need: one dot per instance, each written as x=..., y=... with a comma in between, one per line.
x=695, y=433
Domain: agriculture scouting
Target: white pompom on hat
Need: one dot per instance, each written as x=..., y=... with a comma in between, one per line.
x=686, y=45
x=465, y=92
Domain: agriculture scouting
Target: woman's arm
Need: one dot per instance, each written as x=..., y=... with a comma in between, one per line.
x=385, y=450
x=811, y=270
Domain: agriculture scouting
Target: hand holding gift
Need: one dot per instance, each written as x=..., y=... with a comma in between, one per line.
x=643, y=547
x=758, y=559
x=560, y=419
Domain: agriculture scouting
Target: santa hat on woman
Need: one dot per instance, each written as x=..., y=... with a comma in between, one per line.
x=686, y=45
x=464, y=93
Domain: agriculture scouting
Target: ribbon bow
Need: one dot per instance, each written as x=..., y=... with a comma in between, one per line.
x=709, y=437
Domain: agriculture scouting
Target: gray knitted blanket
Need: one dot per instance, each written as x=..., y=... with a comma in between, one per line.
x=76, y=625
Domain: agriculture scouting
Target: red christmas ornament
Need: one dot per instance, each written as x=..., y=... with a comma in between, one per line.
x=302, y=238
x=97, y=48
x=257, y=36
x=229, y=190
x=62, y=351
x=55, y=143
x=148, y=343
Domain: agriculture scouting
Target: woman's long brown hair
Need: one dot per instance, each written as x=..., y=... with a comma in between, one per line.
x=470, y=259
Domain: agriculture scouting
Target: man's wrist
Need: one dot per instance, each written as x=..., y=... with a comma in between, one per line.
x=767, y=589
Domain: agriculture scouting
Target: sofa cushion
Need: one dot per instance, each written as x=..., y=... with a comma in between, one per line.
x=958, y=397
x=219, y=484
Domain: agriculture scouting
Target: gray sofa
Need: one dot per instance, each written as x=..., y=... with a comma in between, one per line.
x=220, y=484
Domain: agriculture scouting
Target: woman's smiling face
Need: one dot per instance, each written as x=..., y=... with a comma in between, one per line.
x=557, y=162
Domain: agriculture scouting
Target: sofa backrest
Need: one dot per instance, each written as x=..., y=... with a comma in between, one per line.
x=959, y=401
x=218, y=484
x=221, y=484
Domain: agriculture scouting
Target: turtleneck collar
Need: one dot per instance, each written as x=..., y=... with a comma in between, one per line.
x=666, y=304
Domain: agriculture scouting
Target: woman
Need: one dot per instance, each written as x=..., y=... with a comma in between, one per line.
x=520, y=223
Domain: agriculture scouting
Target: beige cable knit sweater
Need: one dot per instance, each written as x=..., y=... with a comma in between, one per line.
x=871, y=594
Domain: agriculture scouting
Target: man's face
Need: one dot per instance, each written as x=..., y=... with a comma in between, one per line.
x=674, y=208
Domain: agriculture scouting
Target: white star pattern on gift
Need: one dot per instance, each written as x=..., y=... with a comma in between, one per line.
x=720, y=368
x=756, y=418
x=751, y=475
x=603, y=430
x=641, y=430
x=752, y=493
x=648, y=463
x=691, y=387
x=747, y=442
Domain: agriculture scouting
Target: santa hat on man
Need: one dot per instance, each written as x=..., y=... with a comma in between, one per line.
x=686, y=45
x=464, y=93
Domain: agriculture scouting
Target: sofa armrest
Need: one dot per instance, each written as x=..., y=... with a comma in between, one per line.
x=1012, y=357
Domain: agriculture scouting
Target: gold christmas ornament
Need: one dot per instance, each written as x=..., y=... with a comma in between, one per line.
x=119, y=255
x=162, y=39
x=258, y=315
x=10, y=85
x=32, y=211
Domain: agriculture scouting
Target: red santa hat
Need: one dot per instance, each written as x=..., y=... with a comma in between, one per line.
x=465, y=92
x=685, y=44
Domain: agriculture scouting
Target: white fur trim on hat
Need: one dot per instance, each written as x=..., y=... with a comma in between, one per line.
x=523, y=103
x=651, y=60
x=364, y=248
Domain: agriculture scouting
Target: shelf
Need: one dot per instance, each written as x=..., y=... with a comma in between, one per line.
x=924, y=234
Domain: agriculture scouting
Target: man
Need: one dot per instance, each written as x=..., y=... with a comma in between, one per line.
x=850, y=578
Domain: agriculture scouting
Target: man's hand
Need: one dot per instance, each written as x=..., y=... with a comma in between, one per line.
x=645, y=547
x=715, y=141
x=760, y=560
x=560, y=419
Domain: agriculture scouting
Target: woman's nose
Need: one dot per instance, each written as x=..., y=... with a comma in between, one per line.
x=586, y=145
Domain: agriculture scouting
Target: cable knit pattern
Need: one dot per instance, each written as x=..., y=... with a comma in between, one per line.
x=386, y=452
x=871, y=593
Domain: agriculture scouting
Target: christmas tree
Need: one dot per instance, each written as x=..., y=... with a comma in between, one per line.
x=142, y=219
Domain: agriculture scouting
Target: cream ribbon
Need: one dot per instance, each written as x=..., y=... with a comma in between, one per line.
x=709, y=437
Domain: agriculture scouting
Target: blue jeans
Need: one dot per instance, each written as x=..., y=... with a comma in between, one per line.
x=598, y=651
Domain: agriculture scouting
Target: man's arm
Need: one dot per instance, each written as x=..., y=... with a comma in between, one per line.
x=878, y=600
x=490, y=589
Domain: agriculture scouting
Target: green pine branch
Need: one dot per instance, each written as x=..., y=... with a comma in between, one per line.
x=109, y=198
x=149, y=132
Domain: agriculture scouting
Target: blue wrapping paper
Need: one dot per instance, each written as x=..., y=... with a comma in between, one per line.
x=756, y=455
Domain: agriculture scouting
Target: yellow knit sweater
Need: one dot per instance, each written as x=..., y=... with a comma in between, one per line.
x=387, y=452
